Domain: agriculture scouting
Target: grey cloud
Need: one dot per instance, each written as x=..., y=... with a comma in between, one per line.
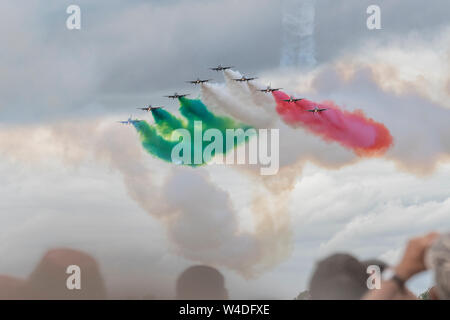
x=135, y=48
x=128, y=54
x=341, y=25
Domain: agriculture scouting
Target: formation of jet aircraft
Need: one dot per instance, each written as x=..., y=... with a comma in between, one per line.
x=268, y=89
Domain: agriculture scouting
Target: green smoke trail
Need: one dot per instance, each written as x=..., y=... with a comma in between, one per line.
x=166, y=122
x=195, y=109
x=153, y=142
x=158, y=139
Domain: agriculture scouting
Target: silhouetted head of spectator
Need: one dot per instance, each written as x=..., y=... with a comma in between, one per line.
x=49, y=278
x=201, y=283
x=11, y=288
x=341, y=277
x=438, y=259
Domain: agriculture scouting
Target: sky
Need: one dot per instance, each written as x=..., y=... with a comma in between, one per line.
x=74, y=178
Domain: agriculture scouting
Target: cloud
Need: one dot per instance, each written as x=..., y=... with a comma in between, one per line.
x=129, y=54
x=390, y=89
x=336, y=21
x=369, y=209
x=205, y=230
x=50, y=72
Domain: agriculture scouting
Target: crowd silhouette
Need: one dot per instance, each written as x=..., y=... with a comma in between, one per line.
x=339, y=276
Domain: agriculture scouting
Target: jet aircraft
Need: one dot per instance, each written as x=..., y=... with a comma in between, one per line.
x=176, y=95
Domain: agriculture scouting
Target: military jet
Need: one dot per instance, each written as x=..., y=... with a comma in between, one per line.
x=176, y=95
x=269, y=89
x=130, y=121
x=316, y=110
x=198, y=81
x=244, y=79
x=291, y=99
x=221, y=68
x=150, y=108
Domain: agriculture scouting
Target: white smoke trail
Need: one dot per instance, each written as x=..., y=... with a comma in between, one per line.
x=206, y=229
x=235, y=99
x=262, y=99
x=248, y=94
x=220, y=100
x=202, y=229
x=298, y=34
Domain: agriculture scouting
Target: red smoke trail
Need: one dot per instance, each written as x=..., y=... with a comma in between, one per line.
x=353, y=130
